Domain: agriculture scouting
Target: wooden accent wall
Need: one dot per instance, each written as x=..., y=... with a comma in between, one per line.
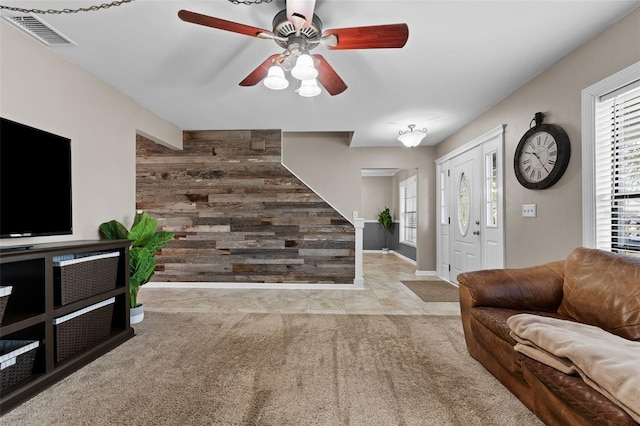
x=238, y=214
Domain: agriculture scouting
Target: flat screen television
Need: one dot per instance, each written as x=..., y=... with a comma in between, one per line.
x=35, y=182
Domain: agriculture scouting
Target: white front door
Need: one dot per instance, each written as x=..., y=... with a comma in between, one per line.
x=470, y=207
x=465, y=192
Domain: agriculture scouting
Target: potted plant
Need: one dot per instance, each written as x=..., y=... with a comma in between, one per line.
x=146, y=240
x=385, y=220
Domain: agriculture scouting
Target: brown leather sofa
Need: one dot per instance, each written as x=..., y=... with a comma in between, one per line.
x=590, y=286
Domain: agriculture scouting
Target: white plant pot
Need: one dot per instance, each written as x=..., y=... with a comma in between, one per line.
x=385, y=250
x=136, y=315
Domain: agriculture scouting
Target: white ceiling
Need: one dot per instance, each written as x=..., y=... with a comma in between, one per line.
x=461, y=58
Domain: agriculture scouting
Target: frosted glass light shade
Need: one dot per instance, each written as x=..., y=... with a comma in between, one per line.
x=412, y=137
x=275, y=79
x=309, y=88
x=304, y=69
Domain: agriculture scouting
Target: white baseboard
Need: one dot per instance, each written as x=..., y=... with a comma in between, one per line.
x=403, y=257
x=394, y=253
x=256, y=286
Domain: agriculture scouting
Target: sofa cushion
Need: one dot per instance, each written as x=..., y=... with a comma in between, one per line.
x=492, y=339
x=536, y=288
x=603, y=289
x=557, y=390
x=491, y=330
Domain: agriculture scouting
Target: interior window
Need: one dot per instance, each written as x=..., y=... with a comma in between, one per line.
x=409, y=210
x=617, y=170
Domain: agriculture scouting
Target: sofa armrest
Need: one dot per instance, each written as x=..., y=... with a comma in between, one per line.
x=537, y=288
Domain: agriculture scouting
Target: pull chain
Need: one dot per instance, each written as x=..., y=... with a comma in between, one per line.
x=61, y=11
x=250, y=2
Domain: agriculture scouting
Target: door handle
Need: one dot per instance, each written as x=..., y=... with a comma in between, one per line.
x=476, y=232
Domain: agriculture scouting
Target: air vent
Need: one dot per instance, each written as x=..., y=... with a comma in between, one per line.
x=39, y=29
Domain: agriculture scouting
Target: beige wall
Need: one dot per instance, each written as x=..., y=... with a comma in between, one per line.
x=327, y=165
x=39, y=88
x=43, y=90
x=556, y=92
x=377, y=193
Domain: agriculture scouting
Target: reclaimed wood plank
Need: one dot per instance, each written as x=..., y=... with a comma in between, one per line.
x=234, y=207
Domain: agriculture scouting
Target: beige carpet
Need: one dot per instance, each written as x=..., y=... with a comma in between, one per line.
x=281, y=369
x=434, y=290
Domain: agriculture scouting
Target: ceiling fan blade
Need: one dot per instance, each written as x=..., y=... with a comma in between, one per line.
x=300, y=12
x=328, y=77
x=371, y=37
x=259, y=73
x=221, y=24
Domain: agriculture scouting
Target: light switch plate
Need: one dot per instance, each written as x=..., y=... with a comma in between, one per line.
x=529, y=210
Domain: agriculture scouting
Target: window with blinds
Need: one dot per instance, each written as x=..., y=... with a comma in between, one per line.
x=617, y=171
x=409, y=210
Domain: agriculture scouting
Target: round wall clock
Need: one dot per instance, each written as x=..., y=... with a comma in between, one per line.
x=542, y=155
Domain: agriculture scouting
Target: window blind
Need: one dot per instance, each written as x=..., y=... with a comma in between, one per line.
x=617, y=171
x=409, y=210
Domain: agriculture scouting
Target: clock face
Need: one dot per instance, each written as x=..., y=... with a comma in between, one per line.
x=538, y=157
x=542, y=156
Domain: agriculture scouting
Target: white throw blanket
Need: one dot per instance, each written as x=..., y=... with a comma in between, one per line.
x=608, y=363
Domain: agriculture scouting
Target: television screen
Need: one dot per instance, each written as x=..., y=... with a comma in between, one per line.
x=35, y=182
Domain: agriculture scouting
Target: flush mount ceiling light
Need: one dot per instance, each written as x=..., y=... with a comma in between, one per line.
x=411, y=137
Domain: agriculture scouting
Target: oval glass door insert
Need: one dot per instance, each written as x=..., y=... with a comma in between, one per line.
x=464, y=204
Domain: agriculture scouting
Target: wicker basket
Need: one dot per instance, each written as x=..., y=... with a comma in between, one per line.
x=84, y=275
x=16, y=361
x=4, y=298
x=81, y=329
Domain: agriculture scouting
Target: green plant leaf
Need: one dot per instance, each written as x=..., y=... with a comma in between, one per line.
x=133, y=297
x=158, y=240
x=384, y=218
x=113, y=230
x=143, y=229
x=138, y=217
x=142, y=264
x=145, y=241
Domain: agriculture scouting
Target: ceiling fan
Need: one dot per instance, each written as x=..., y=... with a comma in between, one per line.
x=298, y=30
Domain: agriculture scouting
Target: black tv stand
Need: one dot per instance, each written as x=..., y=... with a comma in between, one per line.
x=34, y=306
x=14, y=248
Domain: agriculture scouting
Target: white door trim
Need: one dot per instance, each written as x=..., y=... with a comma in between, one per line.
x=590, y=97
x=493, y=133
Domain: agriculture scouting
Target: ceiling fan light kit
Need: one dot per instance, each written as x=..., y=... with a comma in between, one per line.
x=298, y=30
x=412, y=138
x=309, y=88
x=304, y=69
x=275, y=79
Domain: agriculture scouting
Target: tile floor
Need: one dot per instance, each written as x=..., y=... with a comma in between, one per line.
x=383, y=294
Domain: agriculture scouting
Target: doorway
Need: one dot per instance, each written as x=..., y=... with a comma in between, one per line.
x=382, y=188
x=470, y=211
